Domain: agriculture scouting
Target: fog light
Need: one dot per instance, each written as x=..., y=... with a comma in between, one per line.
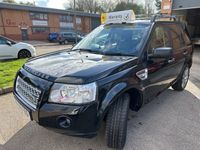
x=64, y=122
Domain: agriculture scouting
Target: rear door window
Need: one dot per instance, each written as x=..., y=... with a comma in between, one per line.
x=176, y=35
x=186, y=38
x=67, y=34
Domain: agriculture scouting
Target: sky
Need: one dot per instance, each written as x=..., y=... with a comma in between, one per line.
x=58, y=3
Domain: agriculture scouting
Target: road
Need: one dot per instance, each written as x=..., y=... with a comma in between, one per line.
x=171, y=121
x=47, y=49
x=195, y=70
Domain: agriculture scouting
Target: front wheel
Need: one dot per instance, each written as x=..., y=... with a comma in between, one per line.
x=116, y=123
x=181, y=83
x=24, y=54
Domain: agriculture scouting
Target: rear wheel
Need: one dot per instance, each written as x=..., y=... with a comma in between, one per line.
x=181, y=83
x=116, y=123
x=65, y=42
x=24, y=54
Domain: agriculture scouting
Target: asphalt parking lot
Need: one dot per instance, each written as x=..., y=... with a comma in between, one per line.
x=171, y=121
x=48, y=49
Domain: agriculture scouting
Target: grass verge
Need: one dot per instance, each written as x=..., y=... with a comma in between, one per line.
x=8, y=71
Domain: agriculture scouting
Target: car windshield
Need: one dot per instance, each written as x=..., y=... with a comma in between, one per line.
x=114, y=39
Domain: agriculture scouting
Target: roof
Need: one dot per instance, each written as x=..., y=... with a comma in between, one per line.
x=185, y=4
x=45, y=10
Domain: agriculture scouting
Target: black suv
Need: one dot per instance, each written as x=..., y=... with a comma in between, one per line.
x=114, y=68
x=69, y=37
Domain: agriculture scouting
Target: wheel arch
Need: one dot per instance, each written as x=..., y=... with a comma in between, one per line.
x=136, y=98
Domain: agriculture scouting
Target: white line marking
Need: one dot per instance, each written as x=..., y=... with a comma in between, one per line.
x=192, y=88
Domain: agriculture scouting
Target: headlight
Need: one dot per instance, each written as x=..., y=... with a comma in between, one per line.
x=74, y=94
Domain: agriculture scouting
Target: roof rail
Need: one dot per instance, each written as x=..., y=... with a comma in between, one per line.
x=143, y=18
x=159, y=16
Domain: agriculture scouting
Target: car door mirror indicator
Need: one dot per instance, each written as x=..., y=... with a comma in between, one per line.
x=142, y=74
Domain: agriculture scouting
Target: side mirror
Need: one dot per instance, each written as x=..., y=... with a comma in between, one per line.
x=8, y=43
x=162, y=52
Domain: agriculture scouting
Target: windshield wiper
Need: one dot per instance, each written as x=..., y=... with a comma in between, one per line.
x=117, y=54
x=86, y=50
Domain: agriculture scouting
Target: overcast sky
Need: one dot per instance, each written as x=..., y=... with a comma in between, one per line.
x=58, y=3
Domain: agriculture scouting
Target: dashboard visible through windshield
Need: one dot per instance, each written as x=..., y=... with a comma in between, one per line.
x=115, y=39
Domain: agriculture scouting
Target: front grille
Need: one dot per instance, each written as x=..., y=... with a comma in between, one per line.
x=27, y=92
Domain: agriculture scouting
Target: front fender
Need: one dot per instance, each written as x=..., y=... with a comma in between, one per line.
x=110, y=97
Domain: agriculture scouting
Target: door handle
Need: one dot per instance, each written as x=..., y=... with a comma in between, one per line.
x=171, y=60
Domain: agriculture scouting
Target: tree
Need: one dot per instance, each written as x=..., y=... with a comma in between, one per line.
x=138, y=9
x=106, y=5
x=9, y=1
x=158, y=5
x=21, y=2
x=91, y=6
x=27, y=3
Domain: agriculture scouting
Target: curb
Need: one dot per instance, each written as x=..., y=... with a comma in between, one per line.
x=40, y=45
x=6, y=90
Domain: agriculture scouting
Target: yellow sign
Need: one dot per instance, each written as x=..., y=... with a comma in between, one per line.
x=103, y=18
x=126, y=16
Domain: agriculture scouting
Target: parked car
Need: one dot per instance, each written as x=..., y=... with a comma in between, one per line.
x=10, y=49
x=53, y=37
x=116, y=67
x=69, y=37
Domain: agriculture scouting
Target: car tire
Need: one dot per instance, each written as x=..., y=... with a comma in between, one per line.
x=181, y=83
x=116, y=123
x=60, y=43
x=65, y=42
x=24, y=54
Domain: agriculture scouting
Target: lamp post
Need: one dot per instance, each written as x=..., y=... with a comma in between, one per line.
x=75, y=19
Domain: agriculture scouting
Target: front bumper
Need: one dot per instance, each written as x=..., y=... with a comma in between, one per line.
x=79, y=120
x=66, y=119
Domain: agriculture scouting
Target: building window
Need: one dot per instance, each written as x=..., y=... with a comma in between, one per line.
x=78, y=20
x=66, y=18
x=38, y=16
x=40, y=29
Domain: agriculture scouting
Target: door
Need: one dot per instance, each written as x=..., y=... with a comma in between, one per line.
x=24, y=33
x=68, y=37
x=75, y=37
x=6, y=51
x=179, y=47
x=160, y=70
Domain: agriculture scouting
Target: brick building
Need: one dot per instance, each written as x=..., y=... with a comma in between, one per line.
x=34, y=23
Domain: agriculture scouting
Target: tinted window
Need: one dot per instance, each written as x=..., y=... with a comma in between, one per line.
x=160, y=38
x=186, y=38
x=176, y=36
x=38, y=16
x=115, y=39
x=2, y=41
x=67, y=34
